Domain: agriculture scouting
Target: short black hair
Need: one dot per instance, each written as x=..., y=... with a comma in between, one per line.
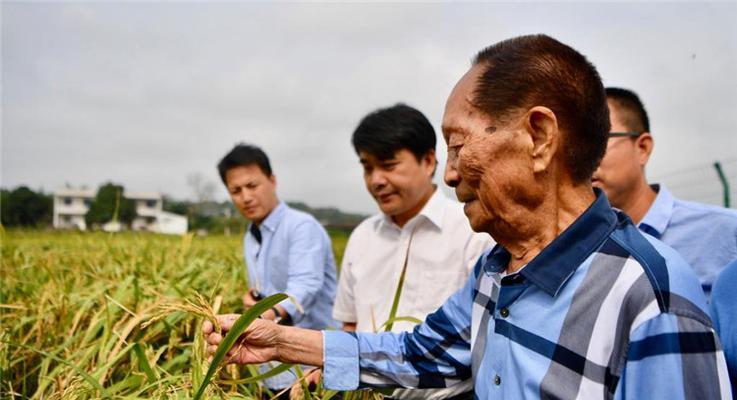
x=387, y=130
x=244, y=155
x=631, y=110
x=532, y=70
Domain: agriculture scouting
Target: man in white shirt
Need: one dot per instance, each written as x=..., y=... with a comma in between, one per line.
x=419, y=231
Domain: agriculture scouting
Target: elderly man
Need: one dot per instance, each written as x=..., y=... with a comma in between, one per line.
x=705, y=235
x=573, y=302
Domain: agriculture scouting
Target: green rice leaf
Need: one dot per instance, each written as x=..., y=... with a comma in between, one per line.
x=397, y=319
x=239, y=327
x=143, y=362
x=78, y=370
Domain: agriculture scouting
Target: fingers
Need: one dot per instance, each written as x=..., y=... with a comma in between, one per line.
x=207, y=327
x=211, y=349
x=214, y=338
x=232, y=356
x=227, y=320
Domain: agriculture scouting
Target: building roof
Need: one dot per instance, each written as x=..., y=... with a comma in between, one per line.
x=142, y=195
x=74, y=192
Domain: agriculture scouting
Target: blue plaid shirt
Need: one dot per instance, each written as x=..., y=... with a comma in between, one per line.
x=602, y=312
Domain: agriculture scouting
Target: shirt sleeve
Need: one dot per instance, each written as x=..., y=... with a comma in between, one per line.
x=307, y=249
x=437, y=353
x=723, y=309
x=344, y=309
x=674, y=357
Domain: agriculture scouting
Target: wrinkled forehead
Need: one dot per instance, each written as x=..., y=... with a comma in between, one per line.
x=460, y=101
x=460, y=111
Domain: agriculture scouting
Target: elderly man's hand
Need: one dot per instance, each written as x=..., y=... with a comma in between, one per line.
x=257, y=344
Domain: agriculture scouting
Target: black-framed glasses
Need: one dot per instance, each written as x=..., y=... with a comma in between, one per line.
x=625, y=134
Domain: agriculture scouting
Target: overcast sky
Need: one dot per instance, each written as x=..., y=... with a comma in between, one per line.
x=145, y=94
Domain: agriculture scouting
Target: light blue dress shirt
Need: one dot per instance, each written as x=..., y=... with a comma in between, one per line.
x=603, y=312
x=295, y=257
x=705, y=235
x=723, y=309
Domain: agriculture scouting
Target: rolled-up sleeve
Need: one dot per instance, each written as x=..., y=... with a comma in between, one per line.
x=340, y=368
x=437, y=353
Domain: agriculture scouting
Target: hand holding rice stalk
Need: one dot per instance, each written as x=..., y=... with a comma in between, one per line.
x=236, y=326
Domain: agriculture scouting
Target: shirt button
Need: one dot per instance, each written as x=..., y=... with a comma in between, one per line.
x=504, y=312
x=497, y=380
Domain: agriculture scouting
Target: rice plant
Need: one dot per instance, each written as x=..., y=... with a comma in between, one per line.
x=95, y=315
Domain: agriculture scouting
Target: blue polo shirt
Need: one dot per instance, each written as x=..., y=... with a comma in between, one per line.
x=705, y=235
x=602, y=312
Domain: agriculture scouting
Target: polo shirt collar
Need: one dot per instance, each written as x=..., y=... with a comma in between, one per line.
x=550, y=269
x=272, y=221
x=433, y=211
x=661, y=211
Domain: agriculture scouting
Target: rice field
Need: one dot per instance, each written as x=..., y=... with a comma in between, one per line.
x=96, y=315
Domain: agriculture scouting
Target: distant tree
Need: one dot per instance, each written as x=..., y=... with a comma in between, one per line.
x=176, y=206
x=109, y=204
x=24, y=207
x=202, y=188
x=4, y=213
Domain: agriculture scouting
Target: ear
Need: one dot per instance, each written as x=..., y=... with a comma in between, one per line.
x=542, y=126
x=644, y=145
x=431, y=162
x=272, y=179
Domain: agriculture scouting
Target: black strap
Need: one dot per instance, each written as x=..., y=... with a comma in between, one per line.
x=256, y=232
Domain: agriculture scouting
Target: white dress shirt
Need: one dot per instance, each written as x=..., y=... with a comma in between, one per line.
x=442, y=254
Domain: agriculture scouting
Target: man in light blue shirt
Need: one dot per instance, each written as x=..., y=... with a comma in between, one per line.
x=705, y=235
x=286, y=250
x=574, y=302
x=723, y=308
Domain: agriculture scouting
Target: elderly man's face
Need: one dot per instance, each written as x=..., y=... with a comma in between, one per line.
x=488, y=161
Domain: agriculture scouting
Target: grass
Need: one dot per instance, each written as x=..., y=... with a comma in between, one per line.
x=95, y=315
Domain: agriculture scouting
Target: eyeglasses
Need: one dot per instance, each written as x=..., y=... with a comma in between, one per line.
x=625, y=134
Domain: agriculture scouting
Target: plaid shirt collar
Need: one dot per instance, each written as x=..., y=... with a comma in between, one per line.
x=550, y=269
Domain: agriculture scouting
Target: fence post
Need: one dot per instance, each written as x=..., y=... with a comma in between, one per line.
x=725, y=184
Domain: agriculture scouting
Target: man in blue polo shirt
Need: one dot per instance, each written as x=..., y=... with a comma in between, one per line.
x=574, y=302
x=723, y=309
x=705, y=235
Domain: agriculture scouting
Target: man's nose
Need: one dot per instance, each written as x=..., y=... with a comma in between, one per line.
x=452, y=177
x=245, y=197
x=377, y=178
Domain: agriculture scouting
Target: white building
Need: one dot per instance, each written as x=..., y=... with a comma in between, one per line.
x=71, y=205
x=148, y=206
